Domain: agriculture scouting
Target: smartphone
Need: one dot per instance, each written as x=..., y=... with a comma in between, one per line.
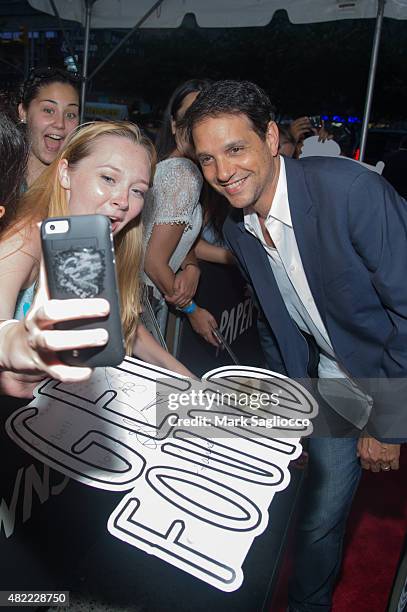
x=80, y=263
x=315, y=121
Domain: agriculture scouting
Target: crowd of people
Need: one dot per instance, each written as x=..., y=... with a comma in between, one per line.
x=322, y=243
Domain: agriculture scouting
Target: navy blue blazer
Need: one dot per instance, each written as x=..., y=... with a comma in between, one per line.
x=351, y=230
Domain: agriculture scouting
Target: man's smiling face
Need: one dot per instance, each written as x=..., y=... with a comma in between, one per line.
x=236, y=161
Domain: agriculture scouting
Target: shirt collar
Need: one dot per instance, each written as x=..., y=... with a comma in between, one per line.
x=279, y=210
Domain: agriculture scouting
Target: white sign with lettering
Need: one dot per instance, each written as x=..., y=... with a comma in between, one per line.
x=200, y=461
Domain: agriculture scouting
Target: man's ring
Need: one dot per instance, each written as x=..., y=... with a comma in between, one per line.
x=386, y=467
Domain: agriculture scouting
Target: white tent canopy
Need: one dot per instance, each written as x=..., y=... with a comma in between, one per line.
x=218, y=13
x=222, y=14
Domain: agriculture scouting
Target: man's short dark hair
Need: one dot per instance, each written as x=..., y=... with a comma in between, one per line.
x=231, y=97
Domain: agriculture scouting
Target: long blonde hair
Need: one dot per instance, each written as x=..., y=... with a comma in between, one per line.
x=47, y=198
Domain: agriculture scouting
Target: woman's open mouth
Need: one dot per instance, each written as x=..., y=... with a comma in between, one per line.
x=114, y=223
x=53, y=142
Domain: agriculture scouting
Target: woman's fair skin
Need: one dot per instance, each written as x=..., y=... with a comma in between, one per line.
x=50, y=117
x=111, y=180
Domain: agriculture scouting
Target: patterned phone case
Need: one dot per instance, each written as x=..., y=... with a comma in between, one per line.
x=80, y=264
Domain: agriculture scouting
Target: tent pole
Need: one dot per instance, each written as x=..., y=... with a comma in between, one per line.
x=372, y=75
x=61, y=27
x=123, y=40
x=88, y=15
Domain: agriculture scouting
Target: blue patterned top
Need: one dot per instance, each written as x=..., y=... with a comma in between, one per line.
x=24, y=300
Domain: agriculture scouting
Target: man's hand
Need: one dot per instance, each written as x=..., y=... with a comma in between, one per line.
x=300, y=127
x=324, y=135
x=377, y=456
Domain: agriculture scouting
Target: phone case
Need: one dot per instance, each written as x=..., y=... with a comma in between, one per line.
x=80, y=263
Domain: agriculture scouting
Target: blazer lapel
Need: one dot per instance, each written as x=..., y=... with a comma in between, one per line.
x=304, y=220
x=292, y=346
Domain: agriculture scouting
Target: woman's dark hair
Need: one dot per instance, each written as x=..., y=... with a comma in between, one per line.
x=13, y=162
x=215, y=209
x=40, y=77
x=165, y=142
x=285, y=135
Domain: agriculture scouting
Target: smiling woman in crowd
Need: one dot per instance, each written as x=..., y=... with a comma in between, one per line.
x=49, y=107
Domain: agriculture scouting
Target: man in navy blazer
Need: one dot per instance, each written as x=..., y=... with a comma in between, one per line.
x=323, y=242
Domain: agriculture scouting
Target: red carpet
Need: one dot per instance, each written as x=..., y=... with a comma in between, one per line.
x=376, y=529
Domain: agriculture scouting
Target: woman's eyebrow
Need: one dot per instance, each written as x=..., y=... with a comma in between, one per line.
x=56, y=102
x=141, y=181
x=109, y=166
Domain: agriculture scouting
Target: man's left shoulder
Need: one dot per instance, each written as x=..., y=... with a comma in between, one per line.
x=335, y=168
x=339, y=179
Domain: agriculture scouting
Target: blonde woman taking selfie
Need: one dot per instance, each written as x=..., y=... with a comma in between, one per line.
x=103, y=168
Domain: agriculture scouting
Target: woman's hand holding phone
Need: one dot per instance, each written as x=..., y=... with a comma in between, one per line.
x=29, y=347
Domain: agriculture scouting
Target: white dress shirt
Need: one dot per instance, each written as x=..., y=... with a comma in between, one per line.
x=285, y=262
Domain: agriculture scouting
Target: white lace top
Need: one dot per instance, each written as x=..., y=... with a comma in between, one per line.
x=174, y=198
